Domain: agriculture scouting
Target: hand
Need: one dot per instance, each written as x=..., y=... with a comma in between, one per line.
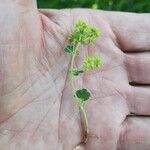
x=37, y=110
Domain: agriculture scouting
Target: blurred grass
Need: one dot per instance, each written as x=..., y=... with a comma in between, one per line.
x=118, y=5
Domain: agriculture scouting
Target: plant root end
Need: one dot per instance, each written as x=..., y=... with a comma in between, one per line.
x=80, y=146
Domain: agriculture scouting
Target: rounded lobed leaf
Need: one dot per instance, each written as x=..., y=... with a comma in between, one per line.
x=70, y=49
x=83, y=94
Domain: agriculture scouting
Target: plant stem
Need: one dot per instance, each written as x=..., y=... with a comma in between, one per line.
x=72, y=67
x=81, y=106
x=85, y=124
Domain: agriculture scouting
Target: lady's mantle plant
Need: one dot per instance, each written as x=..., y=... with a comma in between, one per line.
x=83, y=34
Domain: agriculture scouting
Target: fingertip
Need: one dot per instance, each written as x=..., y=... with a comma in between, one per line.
x=27, y=3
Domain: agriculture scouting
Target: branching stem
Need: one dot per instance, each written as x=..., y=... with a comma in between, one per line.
x=83, y=114
x=83, y=34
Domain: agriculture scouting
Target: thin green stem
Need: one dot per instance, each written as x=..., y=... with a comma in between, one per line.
x=72, y=67
x=81, y=107
x=85, y=123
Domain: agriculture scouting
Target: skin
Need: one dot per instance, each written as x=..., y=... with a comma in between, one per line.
x=37, y=111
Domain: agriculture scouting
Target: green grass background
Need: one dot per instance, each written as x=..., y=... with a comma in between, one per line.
x=118, y=5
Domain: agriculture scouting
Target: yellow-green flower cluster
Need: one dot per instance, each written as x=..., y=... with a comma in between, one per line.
x=92, y=63
x=84, y=34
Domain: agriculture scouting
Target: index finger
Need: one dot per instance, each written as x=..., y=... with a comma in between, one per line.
x=26, y=3
x=132, y=30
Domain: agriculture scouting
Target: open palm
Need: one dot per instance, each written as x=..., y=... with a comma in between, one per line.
x=37, y=110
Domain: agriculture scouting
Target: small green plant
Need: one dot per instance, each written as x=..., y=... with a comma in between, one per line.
x=83, y=34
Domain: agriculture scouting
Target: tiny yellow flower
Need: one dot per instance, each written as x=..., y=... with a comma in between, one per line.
x=92, y=63
x=84, y=34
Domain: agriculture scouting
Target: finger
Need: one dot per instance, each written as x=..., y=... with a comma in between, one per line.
x=105, y=116
x=135, y=134
x=138, y=67
x=139, y=100
x=26, y=3
x=60, y=18
x=132, y=30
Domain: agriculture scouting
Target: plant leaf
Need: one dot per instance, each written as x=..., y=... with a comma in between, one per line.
x=69, y=49
x=76, y=72
x=83, y=94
